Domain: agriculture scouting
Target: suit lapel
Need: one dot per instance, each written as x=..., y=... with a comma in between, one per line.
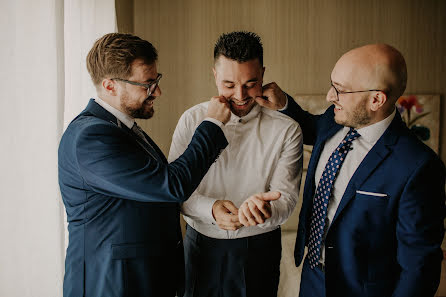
x=98, y=111
x=310, y=186
x=155, y=148
x=379, y=152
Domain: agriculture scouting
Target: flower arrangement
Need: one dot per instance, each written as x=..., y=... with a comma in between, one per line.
x=411, y=112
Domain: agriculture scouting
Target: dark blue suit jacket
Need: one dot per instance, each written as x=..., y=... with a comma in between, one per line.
x=123, y=206
x=379, y=246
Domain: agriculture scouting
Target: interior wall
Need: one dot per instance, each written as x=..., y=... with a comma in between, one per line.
x=302, y=41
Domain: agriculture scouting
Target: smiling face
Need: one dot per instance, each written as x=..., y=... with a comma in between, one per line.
x=351, y=110
x=239, y=83
x=133, y=99
x=379, y=71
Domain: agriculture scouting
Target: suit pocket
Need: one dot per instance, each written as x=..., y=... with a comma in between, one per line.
x=141, y=271
x=370, y=213
x=371, y=195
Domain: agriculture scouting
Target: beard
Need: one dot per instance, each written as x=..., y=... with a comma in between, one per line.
x=357, y=117
x=138, y=110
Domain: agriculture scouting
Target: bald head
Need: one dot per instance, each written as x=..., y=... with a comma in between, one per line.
x=368, y=81
x=376, y=66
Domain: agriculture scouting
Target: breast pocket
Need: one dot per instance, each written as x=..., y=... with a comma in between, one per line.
x=372, y=210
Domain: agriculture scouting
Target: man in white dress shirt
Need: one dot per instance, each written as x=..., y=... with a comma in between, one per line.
x=233, y=240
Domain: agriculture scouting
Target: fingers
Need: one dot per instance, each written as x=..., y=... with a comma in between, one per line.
x=226, y=215
x=249, y=213
x=255, y=210
x=264, y=102
x=219, y=109
x=231, y=224
x=256, y=213
x=273, y=97
x=268, y=196
x=263, y=206
x=245, y=215
x=230, y=206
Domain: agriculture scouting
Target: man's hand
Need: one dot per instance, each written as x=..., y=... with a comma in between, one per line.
x=273, y=97
x=219, y=109
x=226, y=215
x=256, y=209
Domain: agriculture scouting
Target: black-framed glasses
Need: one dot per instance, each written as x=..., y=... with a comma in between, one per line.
x=342, y=92
x=151, y=87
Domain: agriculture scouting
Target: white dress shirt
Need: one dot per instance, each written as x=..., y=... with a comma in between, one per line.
x=264, y=154
x=122, y=117
x=360, y=148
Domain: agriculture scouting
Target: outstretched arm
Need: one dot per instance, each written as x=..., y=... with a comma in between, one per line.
x=201, y=207
x=274, y=98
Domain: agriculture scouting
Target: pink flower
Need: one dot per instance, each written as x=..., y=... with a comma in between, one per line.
x=408, y=102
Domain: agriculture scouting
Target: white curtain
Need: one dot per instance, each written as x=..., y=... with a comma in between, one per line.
x=85, y=21
x=41, y=89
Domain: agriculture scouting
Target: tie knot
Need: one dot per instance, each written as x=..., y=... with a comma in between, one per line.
x=352, y=135
x=348, y=139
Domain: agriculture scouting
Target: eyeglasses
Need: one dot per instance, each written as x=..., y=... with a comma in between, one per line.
x=342, y=92
x=150, y=87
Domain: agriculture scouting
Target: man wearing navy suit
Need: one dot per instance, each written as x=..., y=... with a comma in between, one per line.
x=374, y=200
x=120, y=194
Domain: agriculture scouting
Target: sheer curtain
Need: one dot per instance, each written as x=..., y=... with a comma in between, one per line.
x=43, y=85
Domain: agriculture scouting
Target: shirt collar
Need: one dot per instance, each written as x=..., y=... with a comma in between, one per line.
x=124, y=118
x=252, y=114
x=373, y=132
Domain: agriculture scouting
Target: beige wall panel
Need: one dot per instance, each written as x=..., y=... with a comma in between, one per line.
x=302, y=41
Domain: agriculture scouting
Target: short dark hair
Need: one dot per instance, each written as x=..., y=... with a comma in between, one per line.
x=240, y=46
x=112, y=56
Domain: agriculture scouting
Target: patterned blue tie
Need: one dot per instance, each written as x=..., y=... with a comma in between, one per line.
x=323, y=193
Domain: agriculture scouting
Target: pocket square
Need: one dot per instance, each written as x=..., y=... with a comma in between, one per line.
x=372, y=194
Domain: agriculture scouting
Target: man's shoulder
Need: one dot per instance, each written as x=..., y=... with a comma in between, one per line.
x=279, y=119
x=196, y=113
x=87, y=123
x=200, y=108
x=412, y=148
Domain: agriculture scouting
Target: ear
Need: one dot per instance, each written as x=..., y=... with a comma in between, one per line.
x=215, y=74
x=109, y=87
x=378, y=100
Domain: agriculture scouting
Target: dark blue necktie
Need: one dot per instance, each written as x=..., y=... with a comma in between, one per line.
x=322, y=196
x=149, y=148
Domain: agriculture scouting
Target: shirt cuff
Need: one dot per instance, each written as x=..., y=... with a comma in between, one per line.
x=217, y=122
x=207, y=207
x=286, y=104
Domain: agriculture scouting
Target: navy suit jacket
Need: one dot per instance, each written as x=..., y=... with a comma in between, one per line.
x=379, y=246
x=122, y=206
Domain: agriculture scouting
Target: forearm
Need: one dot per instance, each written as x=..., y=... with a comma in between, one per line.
x=110, y=165
x=306, y=120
